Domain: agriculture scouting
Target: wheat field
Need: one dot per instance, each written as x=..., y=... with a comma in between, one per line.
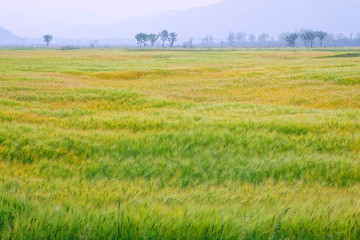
x=181, y=144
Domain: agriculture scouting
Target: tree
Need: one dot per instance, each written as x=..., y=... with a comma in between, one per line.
x=208, y=41
x=172, y=38
x=188, y=44
x=263, y=37
x=357, y=39
x=321, y=35
x=145, y=39
x=47, y=38
x=231, y=39
x=308, y=37
x=240, y=38
x=191, y=42
x=290, y=38
x=312, y=36
x=164, y=36
x=138, y=38
x=93, y=44
x=153, y=38
x=357, y=36
x=251, y=38
x=142, y=38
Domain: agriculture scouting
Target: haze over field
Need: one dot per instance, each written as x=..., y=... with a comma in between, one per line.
x=122, y=19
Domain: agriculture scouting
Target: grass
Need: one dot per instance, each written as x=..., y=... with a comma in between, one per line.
x=127, y=144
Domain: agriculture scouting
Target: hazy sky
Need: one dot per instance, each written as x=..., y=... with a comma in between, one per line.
x=98, y=18
x=17, y=15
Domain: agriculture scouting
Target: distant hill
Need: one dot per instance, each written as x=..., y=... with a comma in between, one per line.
x=7, y=38
x=255, y=16
x=250, y=16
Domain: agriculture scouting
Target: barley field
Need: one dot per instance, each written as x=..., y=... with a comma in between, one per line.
x=182, y=144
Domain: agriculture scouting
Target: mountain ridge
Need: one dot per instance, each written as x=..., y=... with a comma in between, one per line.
x=259, y=16
x=6, y=37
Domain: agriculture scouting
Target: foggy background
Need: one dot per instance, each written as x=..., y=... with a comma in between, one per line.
x=207, y=22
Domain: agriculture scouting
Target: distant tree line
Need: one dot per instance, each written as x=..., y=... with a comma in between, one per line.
x=307, y=36
x=303, y=38
x=143, y=38
x=264, y=39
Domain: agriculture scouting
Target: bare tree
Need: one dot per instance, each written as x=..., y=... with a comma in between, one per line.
x=47, y=38
x=153, y=38
x=188, y=44
x=172, y=38
x=93, y=44
x=321, y=35
x=208, y=41
x=191, y=42
x=290, y=38
x=164, y=36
